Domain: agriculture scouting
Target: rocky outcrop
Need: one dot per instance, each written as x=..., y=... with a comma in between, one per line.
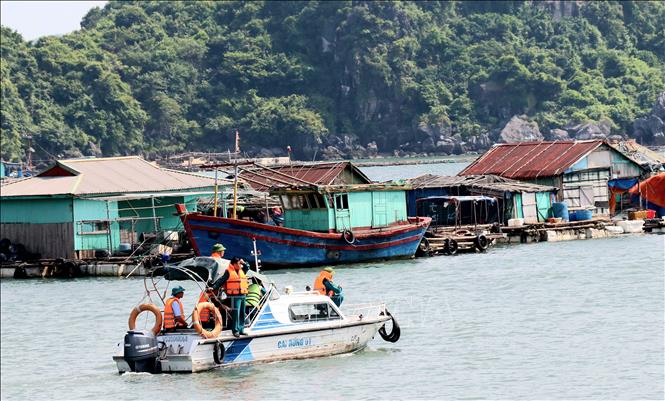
x=650, y=129
x=518, y=129
x=558, y=134
x=592, y=130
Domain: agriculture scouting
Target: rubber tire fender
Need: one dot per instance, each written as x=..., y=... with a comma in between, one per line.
x=394, y=334
x=348, y=236
x=424, y=247
x=196, y=320
x=150, y=308
x=481, y=242
x=218, y=352
x=452, y=247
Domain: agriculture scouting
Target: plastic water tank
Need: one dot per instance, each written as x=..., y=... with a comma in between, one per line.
x=584, y=214
x=560, y=209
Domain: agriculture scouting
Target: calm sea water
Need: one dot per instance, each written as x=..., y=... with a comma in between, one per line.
x=570, y=320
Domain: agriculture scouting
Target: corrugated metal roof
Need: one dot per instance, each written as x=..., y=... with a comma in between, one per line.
x=530, y=159
x=486, y=182
x=263, y=178
x=113, y=175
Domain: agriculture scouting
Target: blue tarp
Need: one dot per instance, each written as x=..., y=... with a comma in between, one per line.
x=622, y=183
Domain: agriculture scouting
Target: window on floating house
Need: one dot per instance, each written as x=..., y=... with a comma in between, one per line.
x=93, y=227
x=341, y=201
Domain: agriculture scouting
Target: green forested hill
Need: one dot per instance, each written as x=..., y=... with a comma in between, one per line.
x=160, y=77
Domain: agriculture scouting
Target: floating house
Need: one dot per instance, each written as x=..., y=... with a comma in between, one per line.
x=79, y=206
x=581, y=170
x=514, y=199
x=322, y=225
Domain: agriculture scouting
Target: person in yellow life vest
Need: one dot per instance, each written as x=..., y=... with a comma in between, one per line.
x=235, y=284
x=325, y=286
x=218, y=251
x=174, y=317
x=206, y=317
x=254, y=294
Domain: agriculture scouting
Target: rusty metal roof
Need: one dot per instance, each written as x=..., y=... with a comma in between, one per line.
x=112, y=175
x=263, y=178
x=483, y=182
x=531, y=159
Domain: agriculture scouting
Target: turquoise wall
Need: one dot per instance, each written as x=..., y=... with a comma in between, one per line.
x=48, y=210
x=308, y=219
x=87, y=236
x=377, y=209
x=164, y=208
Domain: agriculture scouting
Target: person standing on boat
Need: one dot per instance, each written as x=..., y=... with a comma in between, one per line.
x=218, y=251
x=235, y=284
x=325, y=286
x=254, y=294
x=174, y=318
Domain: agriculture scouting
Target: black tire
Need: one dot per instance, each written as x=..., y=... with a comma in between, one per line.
x=4, y=245
x=445, y=247
x=452, y=247
x=218, y=353
x=394, y=334
x=481, y=242
x=348, y=237
x=424, y=248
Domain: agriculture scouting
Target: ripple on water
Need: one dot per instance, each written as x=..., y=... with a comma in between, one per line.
x=580, y=320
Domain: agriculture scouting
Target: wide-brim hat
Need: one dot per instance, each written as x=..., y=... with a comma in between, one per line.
x=176, y=290
x=329, y=270
x=218, y=248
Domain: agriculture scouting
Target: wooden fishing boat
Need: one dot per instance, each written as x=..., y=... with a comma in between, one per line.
x=323, y=225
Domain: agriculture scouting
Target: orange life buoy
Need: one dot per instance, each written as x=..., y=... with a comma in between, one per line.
x=196, y=321
x=146, y=307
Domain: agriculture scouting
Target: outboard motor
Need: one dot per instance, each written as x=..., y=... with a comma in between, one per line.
x=141, y=351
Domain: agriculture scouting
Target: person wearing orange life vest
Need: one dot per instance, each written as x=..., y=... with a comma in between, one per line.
x=174, y=317
x=218, y=251
x=325, y=286
x=235, y=283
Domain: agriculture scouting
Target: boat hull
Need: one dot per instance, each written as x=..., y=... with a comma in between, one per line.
x=281, y=247
x=189, y=353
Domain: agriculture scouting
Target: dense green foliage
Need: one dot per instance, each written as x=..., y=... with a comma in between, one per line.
x=162, y=77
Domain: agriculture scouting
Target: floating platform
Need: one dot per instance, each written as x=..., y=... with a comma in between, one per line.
x=64, y=268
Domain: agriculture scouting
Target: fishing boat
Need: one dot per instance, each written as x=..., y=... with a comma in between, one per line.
x=292, y=325
x=323, y=225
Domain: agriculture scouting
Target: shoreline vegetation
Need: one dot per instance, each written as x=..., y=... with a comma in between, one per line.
x=333, y=79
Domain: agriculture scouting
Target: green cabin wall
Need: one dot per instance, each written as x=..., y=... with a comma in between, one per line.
x=377, y=209
x=366, y=209
x=164, y=210
x=87, y=237
x=309, y=219
x=36, y=211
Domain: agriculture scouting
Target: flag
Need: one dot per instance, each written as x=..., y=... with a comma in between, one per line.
x=237, y=141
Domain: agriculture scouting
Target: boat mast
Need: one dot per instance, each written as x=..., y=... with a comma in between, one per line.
x=235, y=175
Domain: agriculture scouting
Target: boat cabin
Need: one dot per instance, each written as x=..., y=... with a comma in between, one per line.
x=453, y=211
x=343, y=207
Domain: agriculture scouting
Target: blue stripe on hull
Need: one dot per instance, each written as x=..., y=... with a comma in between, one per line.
x=274, y=253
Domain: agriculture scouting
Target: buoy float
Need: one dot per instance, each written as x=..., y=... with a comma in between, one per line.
x=196, y=320
x=150, y=308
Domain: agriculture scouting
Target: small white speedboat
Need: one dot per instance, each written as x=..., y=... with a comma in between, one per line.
x=294, y=325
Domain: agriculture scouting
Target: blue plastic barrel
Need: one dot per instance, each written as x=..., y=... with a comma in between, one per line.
x=584, y=214
x=573, y=216
x=560, y=209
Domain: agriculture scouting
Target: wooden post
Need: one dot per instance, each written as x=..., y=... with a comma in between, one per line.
x=154, y=214
x=108, y=228
x=214, y=210
x=235, y=191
